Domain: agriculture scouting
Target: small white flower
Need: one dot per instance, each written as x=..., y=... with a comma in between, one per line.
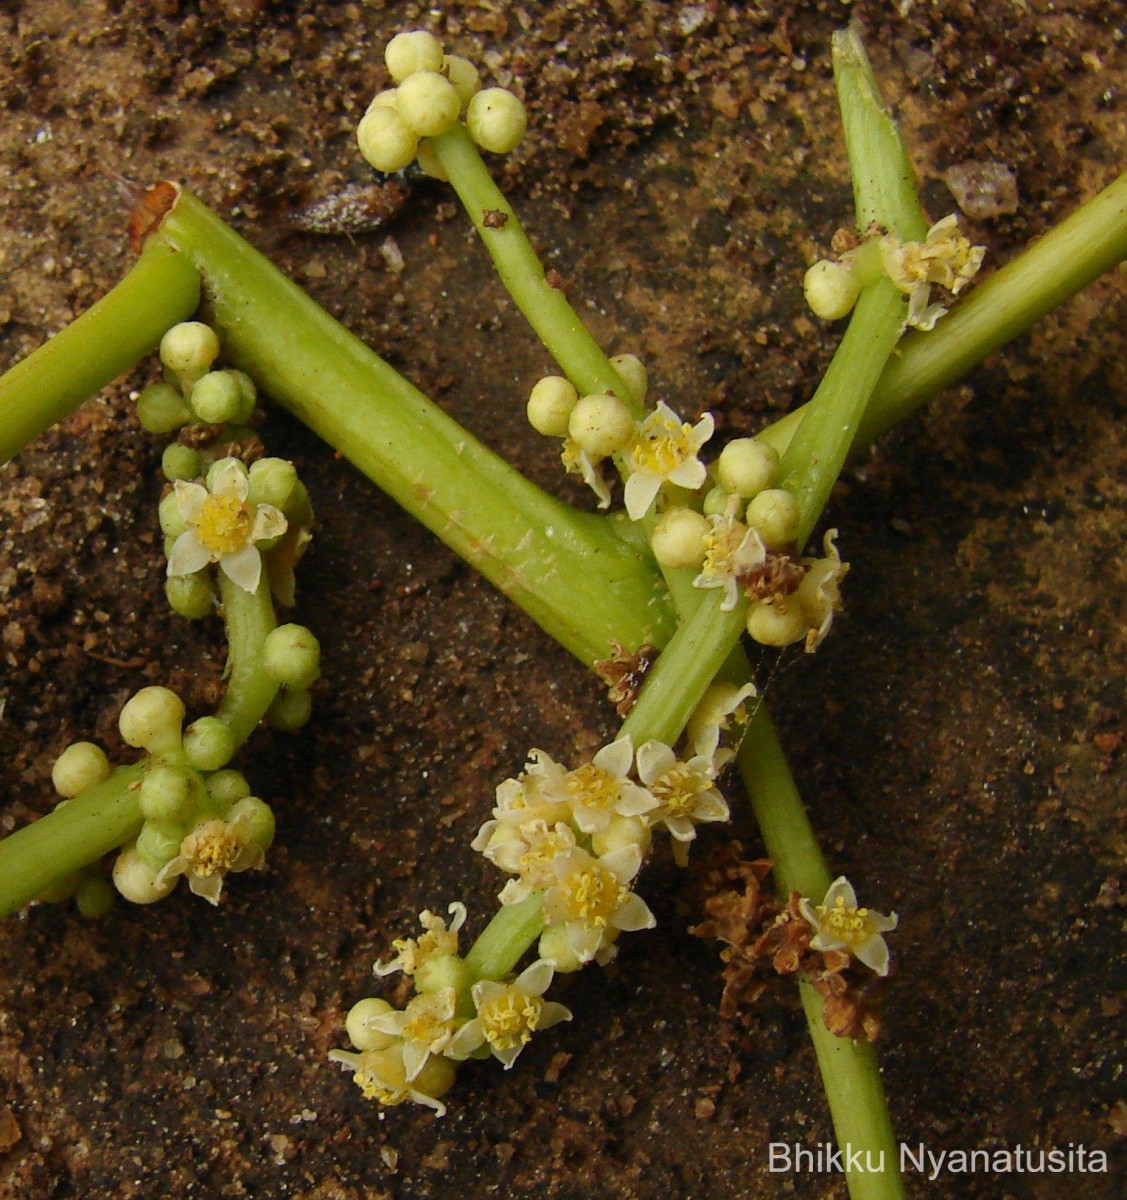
x=602, y=789
x=508, y=1014
x=576, y=461
x=381, y=1076
x=721, y=706
x=437, y=940
x=840, y=925
x=223, y=527
x=945, y=258
x=686, y=793
x=819, y=593
x=529, y=855
x=664, y=450
x=731, y=549
x=592, y=900
x=426, y=1026
x=209, y=852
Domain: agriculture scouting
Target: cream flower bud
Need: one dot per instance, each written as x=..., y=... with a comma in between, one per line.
x=550, y=404
x=254, y=819
x=747, y=466
x=384, y=139
x=208, y=744
x=190, y=596
x=158, y=843
x=136, y=881
x=429, y=162
x=427, y=104
x=227, y=787
x=831, y=289
x=678, y=538
x=180, y=462
x=496, y=120
x=217, y=399
x=81, y=766
x=151, y=720
x=188, y=350
x=166, y=794
x=601, y=424
x=780, y=622
x=356, y=1024
x=774, y=514
x=290, y=710
x=389, y=98
x=633, y=373
x=463, y=77
x=411, y=51
x=621, y=833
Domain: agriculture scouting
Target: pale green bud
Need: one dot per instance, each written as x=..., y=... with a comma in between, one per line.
x=384, y=139
x=94, y=897
x=226, y=788
x=774, y=514
x=550, y=403
x=411, y=51
x=780, y=622
x=172, y=524
x=443, y=971
x=188, y=350
x=678, y=538
x=81, y=766
x=158, y=843
x=208, y=744
x=633, y=373
x=747, y=466
x=272, y=481
x=292, y=656
x=716, y=501
x=463, y=77
x=190, y=596
x=166, y=794
x=496, y=120
x=356, y=1024
x=161, y=408
x=428, y=104
x=256, y=820
x=290, y=710
x=601, y=424
x=151, y=720
x=180, y=462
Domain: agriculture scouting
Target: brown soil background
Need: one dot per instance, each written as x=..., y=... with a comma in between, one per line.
x=958, y=739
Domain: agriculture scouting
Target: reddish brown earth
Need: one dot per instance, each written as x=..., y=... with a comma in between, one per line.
x=958, y=739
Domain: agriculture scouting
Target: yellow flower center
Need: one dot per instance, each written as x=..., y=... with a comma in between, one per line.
x=212, y=849
x=662, y=445
x=849, y=925
x=510, y=1019
x=593, y=787
x=677, y=790
x=225, y=524
x=591, y=894
x=537, y=860
x=428, y=1022
x=720, y=546
x=375, y=1089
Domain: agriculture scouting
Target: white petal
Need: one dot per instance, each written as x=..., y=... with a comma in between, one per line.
x=617, y=757
x=552, y=1014
x=268, y=522
x=633, y=914
x=654, y=759
x=536, y=979
x=689, y=474
x=874, y=954
x=583, y=939
x=243, y=567
x=414, y=1058
x=623, y=863
x=634, y=801
x=188, y=555
x=468, y=1039
x=681, y=828
x=190, y=499
x=641, y=489
x=882, y=924
x=230, y=479
x=842, y=889
x=210, y=887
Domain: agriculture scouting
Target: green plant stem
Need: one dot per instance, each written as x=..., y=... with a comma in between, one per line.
x=108, y=339
x=1086, y=245
x=69, y=838
x=506, y=938
x=545, y=307
x=249, y=617
x=569, y=570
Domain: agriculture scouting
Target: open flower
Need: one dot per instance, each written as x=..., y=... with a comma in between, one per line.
x=686, y=793
x=602, y=789
x=731, y=550
x=437, y=940
x=381, y=1076
x=819, y=593
x=945, y=258
x=664, y=450
x=528, y=853
x=209, y=851
x=840, y=925
x=508, y=1014
x=223, y=527
x=720, y=707
x=591, y=899
x=576, y=461
x=426, y=1026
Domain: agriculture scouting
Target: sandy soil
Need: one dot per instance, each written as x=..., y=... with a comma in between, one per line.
x=958, y=739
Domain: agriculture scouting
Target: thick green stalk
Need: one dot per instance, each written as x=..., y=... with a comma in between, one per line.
x=69, y=838
x=570, y=571
x=108, y=339
x=545, y=307
x=249, y=617
x=505, y=939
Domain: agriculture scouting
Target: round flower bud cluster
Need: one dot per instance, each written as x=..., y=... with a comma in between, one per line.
x=592, y=427
x=433, y=91
x=192, y=393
